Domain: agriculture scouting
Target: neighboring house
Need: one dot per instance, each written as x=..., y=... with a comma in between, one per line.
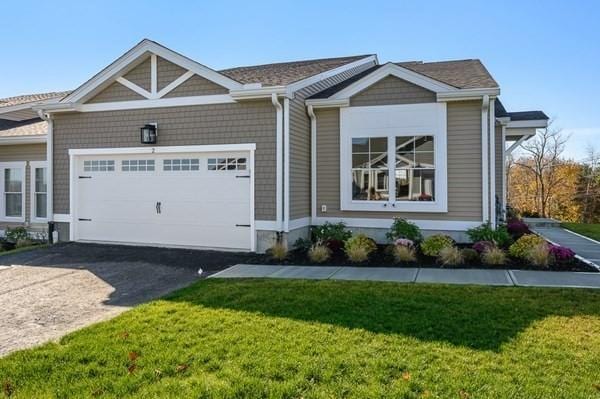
x=23, y=162
x=157, y=149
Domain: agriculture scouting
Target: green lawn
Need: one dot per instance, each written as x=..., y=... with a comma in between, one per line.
x=586, y=229
x=327, y=339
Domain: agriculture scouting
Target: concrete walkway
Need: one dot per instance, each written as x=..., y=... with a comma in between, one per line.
x=586, y=248
x=522, y=278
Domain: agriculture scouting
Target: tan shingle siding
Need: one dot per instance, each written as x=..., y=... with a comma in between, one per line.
x=300, y=143
x=18, y=153
x=140, y=75
x=197, y=86
x=249, y=122
x=167, y=72
x=464, y=166
x=392, y=90
x=115, y=92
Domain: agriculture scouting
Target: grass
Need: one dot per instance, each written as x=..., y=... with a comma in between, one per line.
x=587, y=229
x=327, y=339
x=23, y=249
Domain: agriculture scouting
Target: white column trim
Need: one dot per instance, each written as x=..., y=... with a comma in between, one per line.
x=313, y=161
x=286, y=164
x=504, y=188
x=485, y=199
x=153, y=75
x=492, y=125
x=279, y=161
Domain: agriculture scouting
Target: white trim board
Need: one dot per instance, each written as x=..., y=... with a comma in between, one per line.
x=38, y=139
x=163, y=150
x=448, y=225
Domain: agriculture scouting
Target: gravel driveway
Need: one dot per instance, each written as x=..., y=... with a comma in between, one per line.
x=48, y=292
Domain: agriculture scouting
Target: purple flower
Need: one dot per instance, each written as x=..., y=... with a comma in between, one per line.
x=561, y=254
x=482, y=246
x=517, y=227
x=404, y=242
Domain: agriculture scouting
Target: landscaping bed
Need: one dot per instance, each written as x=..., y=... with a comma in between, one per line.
x=511, y=246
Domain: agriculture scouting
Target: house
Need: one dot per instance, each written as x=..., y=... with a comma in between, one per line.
x=158, y=149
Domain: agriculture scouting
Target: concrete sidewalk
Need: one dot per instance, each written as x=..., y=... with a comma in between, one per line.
x=523, y=278
x=584, y=247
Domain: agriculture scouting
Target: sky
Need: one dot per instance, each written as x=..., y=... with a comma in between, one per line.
x=545, y=55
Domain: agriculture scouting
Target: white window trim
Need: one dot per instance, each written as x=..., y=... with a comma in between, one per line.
x=392, y=121
x=33, y=165
x=7, y=165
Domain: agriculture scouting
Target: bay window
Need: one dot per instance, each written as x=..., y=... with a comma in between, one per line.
x=393, y=158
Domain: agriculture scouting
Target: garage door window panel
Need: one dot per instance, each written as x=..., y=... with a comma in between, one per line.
x=137, y=165
x=222, y=164
x=99, y=166
x=182, y=164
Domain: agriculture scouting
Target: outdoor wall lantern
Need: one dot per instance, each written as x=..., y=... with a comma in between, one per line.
x=149, y=133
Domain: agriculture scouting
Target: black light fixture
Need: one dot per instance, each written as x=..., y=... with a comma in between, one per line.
x=149, y=133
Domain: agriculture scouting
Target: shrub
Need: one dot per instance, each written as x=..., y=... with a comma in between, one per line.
x=522, y=245
x=332, y=234
x=561, y=254
x=539, y=255
x=278, y=251
x=404, y=253
x=450, y=256
x=402, y=228
x=16, y=234
x=24, y=243
x=359, y=247
x=404, y=242
x=481, y=246
x=485, y=232
x=470, y=255
x=303, y=245
x=494, y=256
x=319, y=253
x=517, y=228
x=432, y=245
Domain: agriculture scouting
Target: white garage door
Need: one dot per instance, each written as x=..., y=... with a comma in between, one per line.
x=173, y=199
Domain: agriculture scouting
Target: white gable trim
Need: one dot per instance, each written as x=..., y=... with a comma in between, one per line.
x=174, y=84
x=132, y=86
x=117, y=68
x=397, y=71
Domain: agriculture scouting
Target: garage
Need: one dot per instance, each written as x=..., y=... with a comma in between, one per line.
x=196, y=196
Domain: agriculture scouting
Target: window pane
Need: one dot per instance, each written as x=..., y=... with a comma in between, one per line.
x=360, y=161
x=40, y=206
x=379, y=161
x=378, y=144
x=405, y=144
x=370, y=185
x=40, y=180
x=415, y=184
x=14, y=205
x=423, y=143
x=405, y=159
x=13, y=179
x=424, y=160
x=360, y=145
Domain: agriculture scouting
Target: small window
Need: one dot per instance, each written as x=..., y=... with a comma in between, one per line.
x=227, y=164
x=13, y=192
x=99, y=166
x=137, y=165
x=40, y=193
x=185, y=164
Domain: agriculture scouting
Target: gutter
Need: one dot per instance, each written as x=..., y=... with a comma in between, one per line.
x=49, y=166
x=313, y=161
x=279, y=162
x=37, y=139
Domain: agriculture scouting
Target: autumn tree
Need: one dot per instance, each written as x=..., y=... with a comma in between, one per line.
x=588, y=193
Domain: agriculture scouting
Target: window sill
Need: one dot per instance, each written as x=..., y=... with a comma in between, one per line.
x=13, y=219
x=382, y=206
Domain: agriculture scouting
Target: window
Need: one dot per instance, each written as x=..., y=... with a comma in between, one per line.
x=415, y=169
x=137, y=165
x=39, y=191
x=370, y=169
x=227, y=163
x=13, y=192
x=99, y=166
x=181, y=164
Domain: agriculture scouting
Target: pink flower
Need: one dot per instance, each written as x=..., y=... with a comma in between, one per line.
x=404, y=242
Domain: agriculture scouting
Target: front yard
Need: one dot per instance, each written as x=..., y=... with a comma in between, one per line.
x=275, y=338
x=586, y=229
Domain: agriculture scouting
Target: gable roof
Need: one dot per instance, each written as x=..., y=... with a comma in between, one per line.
x=31, y=98
x=462, y=74
x=284, y=73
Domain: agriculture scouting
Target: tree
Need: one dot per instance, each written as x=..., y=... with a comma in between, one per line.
x=589, y=189
x=541, y=158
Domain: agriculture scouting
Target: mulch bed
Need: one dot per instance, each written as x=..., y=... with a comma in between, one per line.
x=383, y=259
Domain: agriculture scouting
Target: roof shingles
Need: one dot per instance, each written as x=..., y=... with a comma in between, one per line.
x=31, y=98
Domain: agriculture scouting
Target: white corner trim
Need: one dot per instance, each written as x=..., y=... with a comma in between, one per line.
x=504, y=188
x=279, y=161
x=141, y=49
x=164, y=150
x=397, y=71
x=492, y=127
x=33, y=165
x=37, y=139
x=286, y=164
x=313, y=160
x=449, y=225
x=393, y=121
x=61, y=218
x=327, y=74
x=174, y=84
x=485, y=193
x=132, y=86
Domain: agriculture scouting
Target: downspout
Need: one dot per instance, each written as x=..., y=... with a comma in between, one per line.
x=49, y=167
x=279, y=162
x=492, y=126
x=313, y=164
x=286, y=164
x=485, y=193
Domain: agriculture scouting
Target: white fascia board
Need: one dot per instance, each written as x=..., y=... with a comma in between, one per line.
x=328, y=103
x=537, y=123
x=299, y=85
x=468, y=94
x=254, y=93
x=397, y=71
x=16, y=140
x=163, y=150
x=144, y=47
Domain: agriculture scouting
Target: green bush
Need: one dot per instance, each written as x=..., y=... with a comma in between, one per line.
x=16, y=234
x=331, y=231
x=520, y=248
x=470, y=255
x=432, y=245
x=500, y=236
x=24, y=243
x=402, y=228
x=359, y=247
